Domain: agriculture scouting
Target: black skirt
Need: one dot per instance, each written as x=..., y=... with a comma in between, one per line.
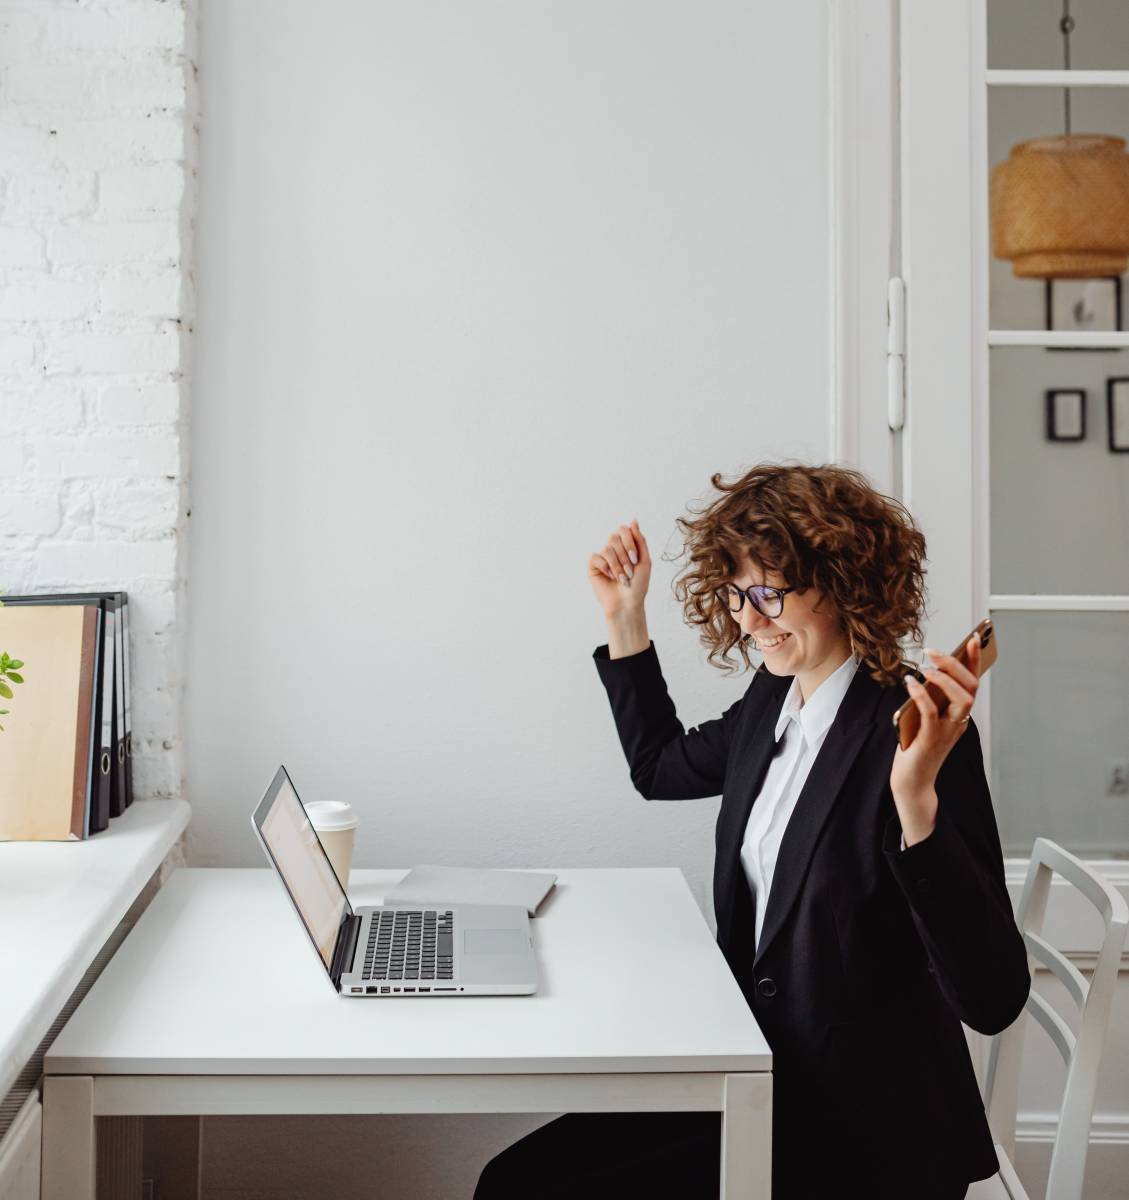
x=663, y=1156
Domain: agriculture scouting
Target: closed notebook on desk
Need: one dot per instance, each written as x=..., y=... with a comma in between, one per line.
x=50, y=738
x=471, y=885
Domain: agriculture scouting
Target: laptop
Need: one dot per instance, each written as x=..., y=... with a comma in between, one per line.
x=391, y=950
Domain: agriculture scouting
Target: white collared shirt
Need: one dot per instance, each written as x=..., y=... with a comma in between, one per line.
x=800, y=731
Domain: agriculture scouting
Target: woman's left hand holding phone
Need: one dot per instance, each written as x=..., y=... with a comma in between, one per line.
x=914, y=774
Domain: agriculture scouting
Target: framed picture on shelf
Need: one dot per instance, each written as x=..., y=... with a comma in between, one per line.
x=1066, y=415
x=1117, y=414
x=1084, y=305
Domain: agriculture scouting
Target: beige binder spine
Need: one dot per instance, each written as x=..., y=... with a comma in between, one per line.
x=46, y=747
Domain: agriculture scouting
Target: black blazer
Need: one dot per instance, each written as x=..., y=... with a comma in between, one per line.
x=870, y=956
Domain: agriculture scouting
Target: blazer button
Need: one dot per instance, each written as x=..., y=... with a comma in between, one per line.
x=767, y=988
x=923, y=885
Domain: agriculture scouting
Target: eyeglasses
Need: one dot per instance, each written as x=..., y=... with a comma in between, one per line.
x=768, y=601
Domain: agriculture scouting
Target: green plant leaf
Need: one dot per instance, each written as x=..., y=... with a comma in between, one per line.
x=5, y=690
x=15, y=678
x=16, y=662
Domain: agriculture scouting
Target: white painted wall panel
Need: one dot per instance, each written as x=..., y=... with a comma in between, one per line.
x=478, y=282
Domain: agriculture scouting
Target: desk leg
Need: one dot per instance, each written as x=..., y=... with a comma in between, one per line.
x=68, y=1138
x=746, y=1138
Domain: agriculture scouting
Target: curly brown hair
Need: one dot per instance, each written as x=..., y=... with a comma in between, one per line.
x=818, y=526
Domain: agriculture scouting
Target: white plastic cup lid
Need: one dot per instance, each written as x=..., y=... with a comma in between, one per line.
x=328, y=815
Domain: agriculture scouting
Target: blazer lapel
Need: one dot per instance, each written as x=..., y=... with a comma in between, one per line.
x=821, y=789
x=748, y=779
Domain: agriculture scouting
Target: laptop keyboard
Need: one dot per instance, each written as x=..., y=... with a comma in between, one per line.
x=409, y=943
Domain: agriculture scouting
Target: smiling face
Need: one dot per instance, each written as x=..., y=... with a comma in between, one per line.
x=801, y=641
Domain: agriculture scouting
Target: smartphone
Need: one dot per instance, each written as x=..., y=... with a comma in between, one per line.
x=907, y=720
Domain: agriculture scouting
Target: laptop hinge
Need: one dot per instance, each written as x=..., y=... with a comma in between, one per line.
x=346, y=947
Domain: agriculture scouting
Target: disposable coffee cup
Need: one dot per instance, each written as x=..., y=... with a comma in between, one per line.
x=335, y=823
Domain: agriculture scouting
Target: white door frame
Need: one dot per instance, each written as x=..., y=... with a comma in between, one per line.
x=863, y=121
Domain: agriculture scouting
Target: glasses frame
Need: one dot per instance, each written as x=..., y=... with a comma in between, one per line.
x=747, y=594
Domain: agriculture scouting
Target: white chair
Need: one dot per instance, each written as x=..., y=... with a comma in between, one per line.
x=1082, y=1051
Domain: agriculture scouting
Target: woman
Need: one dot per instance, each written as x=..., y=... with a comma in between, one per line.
x=858, y=887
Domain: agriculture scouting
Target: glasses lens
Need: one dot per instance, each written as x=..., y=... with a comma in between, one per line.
x=767, y=601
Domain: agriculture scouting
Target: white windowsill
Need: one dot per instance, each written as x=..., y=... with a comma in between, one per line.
x=59, y=903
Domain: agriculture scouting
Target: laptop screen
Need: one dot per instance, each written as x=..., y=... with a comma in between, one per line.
x=300, y=860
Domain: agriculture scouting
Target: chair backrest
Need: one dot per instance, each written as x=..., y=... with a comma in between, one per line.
x=1082, y=1050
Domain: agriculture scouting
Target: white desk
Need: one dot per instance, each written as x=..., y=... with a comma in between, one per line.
x=215, y=1004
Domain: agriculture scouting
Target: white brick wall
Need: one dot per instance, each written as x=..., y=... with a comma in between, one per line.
x=97, y=204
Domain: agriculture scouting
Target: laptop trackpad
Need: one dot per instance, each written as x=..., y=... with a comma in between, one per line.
x=494, y=941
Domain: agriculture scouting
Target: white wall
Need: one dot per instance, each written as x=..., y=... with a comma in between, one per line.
x=97, y=203
x=478, y=282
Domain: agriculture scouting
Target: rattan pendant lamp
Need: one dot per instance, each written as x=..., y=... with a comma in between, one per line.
x=1060, y=204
